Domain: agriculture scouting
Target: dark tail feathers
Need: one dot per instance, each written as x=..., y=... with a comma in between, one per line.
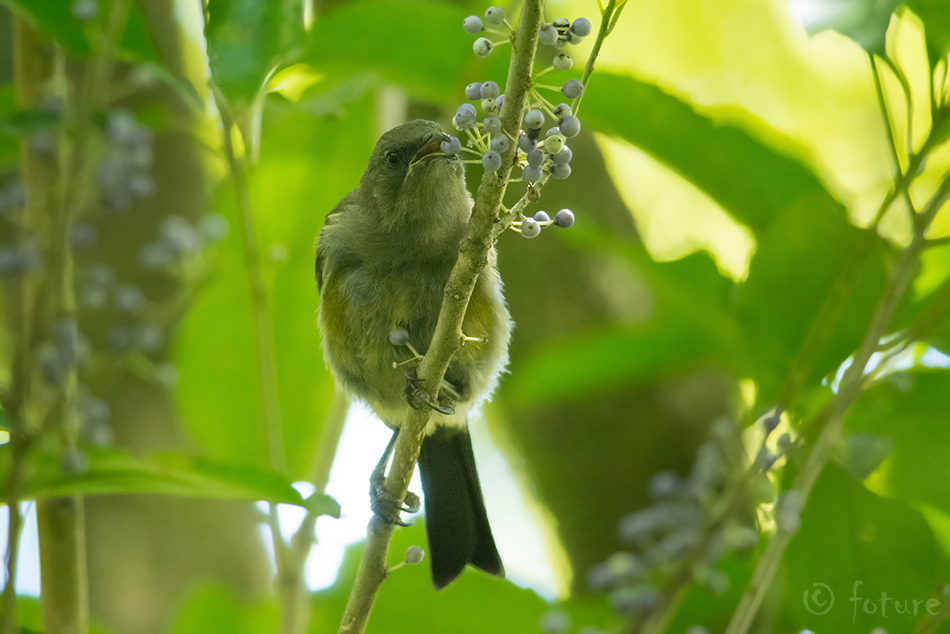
x=456, y=522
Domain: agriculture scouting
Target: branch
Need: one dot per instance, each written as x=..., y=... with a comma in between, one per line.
x=848, y=391
x=484, y=227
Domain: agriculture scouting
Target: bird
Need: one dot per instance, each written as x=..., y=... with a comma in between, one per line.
x=383, y=258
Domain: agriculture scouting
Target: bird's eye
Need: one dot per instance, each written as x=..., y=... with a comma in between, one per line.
x=393, y=158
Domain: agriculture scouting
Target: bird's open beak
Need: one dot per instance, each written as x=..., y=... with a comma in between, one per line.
x=431, y=147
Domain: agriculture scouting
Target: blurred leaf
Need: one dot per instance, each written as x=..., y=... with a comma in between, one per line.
x=909, y=408
x=215, y=609
x=308, y=165
x=407, y=604
x=4, y=422
x=864, y=21
x=425, y=58
x=248, y=39
x=858, y=544
x=54, y=18
x=112, y=471
x=685, y=326
x=936, y=18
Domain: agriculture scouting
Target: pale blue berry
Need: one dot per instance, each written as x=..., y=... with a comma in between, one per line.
x=581, y=27
x=500, y=100
x=491, y=161
x=452, y=146
x=548, y=35
x=473, y=91
x=563, y=62
x=490, y=90
x=494, y=15
x=570, y=126
x=526, y=143
x=535, y=157
x=563, y=157
x=492, y=125
x=534, y=119
x=500, y=144
x=552, y=132
x=414, y=555
x=530, y=228
x=399, y=337
x=561, y=172
x=472, y=24
x=482, y=47
x=572, y=89
x=564, y=218
x=531, y=174
x=562, y=110
x=542, y=216
x=85, y=10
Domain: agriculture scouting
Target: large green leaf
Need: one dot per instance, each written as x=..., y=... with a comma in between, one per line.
x=685, y=326
x=858, y=544
x=54, y=18
x=909, y=408
x=864, y=21
x=112, y=471
x=803, y=232
x=936, y=17
x=307, y=166
x=248, y=39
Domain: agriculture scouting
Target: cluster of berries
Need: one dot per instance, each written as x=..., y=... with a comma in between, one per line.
x=540, y=153
x=687, y=528
x=124, y=172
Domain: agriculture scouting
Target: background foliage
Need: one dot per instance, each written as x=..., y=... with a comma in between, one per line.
x=724, y=263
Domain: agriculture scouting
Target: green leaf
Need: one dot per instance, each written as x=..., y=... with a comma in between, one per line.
x=864, y=21
x=686, y=326
x=858, y=544
x=112, y=471
x=54, y=18
x=910, y=409
x=804, y=237
x=218, y=392
x=475, y=602
x=936, y=18
x=247, y=40
x=215, y=609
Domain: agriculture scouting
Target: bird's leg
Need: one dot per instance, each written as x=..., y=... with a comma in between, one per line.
x=384, y=505
x=419, y=398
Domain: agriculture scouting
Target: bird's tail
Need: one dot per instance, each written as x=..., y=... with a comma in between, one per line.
x=456, y=522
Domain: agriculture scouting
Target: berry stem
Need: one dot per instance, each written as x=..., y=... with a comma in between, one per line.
x=607, y=22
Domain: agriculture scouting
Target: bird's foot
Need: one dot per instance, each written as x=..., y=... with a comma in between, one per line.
x=419, y=398
x=386, y=506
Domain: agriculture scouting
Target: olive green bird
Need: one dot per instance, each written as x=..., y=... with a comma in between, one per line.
x=383, y=258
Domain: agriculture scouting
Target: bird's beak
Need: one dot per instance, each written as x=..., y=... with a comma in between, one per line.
x=431, y=147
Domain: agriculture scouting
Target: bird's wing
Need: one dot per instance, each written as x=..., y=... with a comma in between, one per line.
x=321, y=253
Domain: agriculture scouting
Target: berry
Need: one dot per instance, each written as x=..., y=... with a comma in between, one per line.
x=491, y=161
x=563, y=157
x=563, y=62
x=141, y=185
x=213, y=227
x=555, y=623
x=150, y=337
x=166, y=374
x=535, y=157
x=548, y=35
x=564, y=218
x=128, y=298
x=494, y=15
x=552, y=131
x=542, y=216
x=452, y=146
x=482, y=47
x=525, y=143
x=562, y=110
x=399, y=337
x=500, y=100
x=570, y=126
x=83, y=236
x=490, y=106
x=85, y=10
x=178, y=236
x=490, y=90
x=572, y=89
x=464, y=119
x=534, y=119
x=561, y=172
x=500, y=144
x=492, y=125
x=553, y=144
x=633, y=599
x=663, y=485
x=472, y=24
x=530, y=228
x=414, y=555
x=531, y=174
x=561, y=23
x=473, y=91
x=581, y=27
